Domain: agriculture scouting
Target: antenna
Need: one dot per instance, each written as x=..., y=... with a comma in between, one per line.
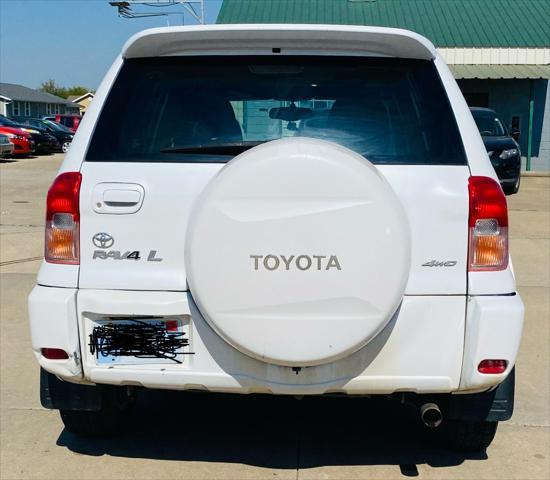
x=125, y=9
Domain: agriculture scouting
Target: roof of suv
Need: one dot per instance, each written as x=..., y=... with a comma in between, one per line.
x=267, y=39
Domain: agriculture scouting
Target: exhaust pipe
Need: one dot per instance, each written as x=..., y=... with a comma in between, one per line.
x=431, y=415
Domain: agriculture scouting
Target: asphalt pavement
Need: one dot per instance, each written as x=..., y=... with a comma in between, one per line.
x=207, y=436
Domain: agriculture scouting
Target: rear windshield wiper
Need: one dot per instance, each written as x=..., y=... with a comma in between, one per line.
x=233, y=148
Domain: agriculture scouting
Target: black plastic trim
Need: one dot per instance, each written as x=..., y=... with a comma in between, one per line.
x=493, y=406
x=59, y=395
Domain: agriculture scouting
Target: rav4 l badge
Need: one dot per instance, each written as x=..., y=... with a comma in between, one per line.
x=104, y=240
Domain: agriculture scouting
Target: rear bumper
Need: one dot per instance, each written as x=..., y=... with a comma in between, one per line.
x=6, y=149
x=428, y=347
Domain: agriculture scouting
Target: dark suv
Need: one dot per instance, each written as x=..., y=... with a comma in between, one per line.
x=502, y=148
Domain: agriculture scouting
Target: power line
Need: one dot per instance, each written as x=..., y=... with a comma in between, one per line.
x=126, y=9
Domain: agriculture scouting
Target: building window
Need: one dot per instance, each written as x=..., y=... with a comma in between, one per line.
x=57, y=110
x=49, y=109
x=27, y=109
x=16, y=109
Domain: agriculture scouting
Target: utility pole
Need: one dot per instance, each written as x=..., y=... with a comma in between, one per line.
x=160, y=8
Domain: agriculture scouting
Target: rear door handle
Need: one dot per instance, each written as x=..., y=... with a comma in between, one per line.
x=121, y=198
x=117, y=198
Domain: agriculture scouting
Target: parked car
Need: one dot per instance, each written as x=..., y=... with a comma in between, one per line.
x=70, y=121
x=63, y=135
x=502, y=147
x=23, y=144
x=43, y=141
x=6, y=147
x=190, y=246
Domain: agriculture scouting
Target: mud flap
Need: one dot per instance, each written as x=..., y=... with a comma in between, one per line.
x=493, y=406
x=59, y=395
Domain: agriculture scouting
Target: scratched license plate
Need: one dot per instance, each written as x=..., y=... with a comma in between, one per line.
x=139, y=341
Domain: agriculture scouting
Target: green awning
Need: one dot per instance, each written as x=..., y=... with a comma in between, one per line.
x=447, y=23
x=500, y=71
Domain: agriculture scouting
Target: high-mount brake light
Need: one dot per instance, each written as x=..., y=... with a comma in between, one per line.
x=62, y=243
x=488, y=226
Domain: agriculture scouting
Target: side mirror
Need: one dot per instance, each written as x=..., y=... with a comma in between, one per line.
x=515, y=134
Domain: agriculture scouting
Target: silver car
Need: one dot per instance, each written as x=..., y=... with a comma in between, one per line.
x=6, y=147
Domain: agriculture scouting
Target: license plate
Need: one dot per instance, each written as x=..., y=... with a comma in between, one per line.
x=138, y=341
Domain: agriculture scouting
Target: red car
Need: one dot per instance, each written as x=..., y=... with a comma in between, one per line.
x=70, y=121
x=22, y=142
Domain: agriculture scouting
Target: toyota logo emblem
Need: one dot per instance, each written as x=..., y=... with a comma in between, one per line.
x=103, y=240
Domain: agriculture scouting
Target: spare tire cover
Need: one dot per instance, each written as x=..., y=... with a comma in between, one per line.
x=298, y=252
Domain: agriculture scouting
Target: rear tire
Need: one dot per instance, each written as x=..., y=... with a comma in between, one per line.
x=516, y=187
x=65, y=147
x=112, y=419
x=511, y=189
x=469, y=436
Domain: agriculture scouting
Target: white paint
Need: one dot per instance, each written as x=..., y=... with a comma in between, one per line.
x=260, y=39
x=421, y=347
x=493, y=331
x=54, y=324
x=404, y=356
x=298, y=197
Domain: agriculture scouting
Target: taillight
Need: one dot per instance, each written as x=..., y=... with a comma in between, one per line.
x=488, y=226
x=62, y=243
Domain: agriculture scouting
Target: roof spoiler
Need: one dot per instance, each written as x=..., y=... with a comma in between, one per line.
x=268, y=39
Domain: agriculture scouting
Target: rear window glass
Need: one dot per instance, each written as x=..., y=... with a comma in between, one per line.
x=209, y=109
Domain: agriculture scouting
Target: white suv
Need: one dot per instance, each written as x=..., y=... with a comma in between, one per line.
x=282, y=209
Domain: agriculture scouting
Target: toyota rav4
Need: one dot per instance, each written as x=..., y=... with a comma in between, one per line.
x=278, y=209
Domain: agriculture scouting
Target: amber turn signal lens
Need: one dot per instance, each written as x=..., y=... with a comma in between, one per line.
x=62, y=244
x=488, y=226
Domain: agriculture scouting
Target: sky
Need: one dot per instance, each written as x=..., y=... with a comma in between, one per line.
x=71, y=41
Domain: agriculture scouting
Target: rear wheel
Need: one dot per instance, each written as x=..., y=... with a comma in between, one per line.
x=511, y=189
x=65, y=147
x=516, y=187
x=469, y=436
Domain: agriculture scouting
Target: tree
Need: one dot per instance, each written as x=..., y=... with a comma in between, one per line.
x=77, y=90
x=50, y=86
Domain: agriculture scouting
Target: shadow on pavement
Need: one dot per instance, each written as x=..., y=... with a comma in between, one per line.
x=16, y=158
x=273, y=432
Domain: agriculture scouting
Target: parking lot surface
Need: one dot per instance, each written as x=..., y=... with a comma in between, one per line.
x=188, y=436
